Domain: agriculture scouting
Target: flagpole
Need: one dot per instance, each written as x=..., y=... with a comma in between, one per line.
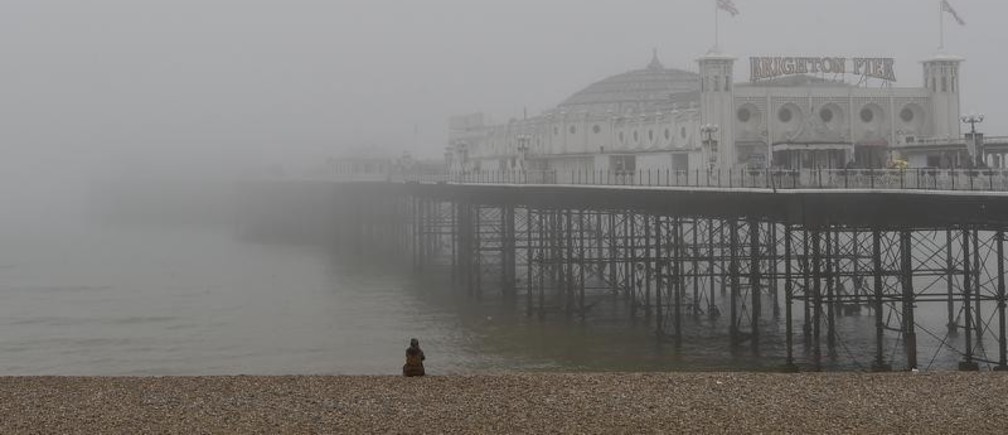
x=941, y=26
x=717, y=31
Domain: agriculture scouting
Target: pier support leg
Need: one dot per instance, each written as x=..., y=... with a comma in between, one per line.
x=531, y=251
x=694, y=252
x=712, y=310
x=582, y=309
x=831, y=293
x=733, y=272
x=1002, y=341
x=806, y=289
x=631, y=265
x=789, y=364
x=755, y=279
x=677, y=280
x=648, y=266
x=774, y=270
x=967, y=364
x=661, y=282
x=879, y=365
x=977, y=316
x=613, y=252
x=906, y=276
x=569, y=259
x=817, y=299
x=509, y=254
x=476, y=252
x=542, y=258
x=453, y=231
x=949, y=278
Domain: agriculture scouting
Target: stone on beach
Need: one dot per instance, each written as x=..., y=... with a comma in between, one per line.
x=510, y=403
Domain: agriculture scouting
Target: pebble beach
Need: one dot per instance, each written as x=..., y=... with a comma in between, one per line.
x=511, y=403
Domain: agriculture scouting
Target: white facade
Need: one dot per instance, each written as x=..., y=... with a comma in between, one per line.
x=652, y=118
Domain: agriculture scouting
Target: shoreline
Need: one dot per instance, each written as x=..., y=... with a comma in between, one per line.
x=510, y=403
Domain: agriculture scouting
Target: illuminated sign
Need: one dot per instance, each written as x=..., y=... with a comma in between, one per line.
x=866, y=67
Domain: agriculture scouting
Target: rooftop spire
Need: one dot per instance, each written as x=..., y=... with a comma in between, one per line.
x=655, y=63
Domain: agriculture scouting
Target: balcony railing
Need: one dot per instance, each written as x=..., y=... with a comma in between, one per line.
x=880, y=179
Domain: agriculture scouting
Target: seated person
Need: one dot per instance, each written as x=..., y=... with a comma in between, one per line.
x=414, y=360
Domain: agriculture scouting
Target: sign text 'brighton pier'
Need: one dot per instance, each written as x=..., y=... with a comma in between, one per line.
x=868, y=67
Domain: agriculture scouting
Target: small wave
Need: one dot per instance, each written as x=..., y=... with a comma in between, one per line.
x=59, y=288
x=141, y=319
x=70, y=321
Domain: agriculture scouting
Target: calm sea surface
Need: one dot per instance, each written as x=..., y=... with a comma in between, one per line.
x=81, y=298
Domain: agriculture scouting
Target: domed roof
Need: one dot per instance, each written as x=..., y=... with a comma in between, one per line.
x=652, y=87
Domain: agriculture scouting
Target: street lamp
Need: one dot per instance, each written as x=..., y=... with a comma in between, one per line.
x=709, y=143
x=523, y=147
x=463, y=152
x=974, y=140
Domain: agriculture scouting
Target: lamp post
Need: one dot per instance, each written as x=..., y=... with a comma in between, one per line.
x=523, y=148
x=710, y=144
x=463, y=155
x=975, y=152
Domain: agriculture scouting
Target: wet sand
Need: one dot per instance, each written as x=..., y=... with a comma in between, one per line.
x=510, y=403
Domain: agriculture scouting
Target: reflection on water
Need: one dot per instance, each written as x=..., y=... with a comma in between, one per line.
x=141, y=301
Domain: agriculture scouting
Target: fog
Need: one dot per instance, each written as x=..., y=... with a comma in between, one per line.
x=238, y=80
x=204, y=92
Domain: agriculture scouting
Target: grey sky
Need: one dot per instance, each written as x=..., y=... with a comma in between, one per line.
x=258, y=80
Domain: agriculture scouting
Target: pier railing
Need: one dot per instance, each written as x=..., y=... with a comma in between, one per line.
x=887, y=179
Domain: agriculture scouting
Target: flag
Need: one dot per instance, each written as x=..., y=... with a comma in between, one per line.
x=946, y=7
x=729, y=6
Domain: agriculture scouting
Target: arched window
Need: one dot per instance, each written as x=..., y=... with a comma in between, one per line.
x=907, y=115
x=867, y=115
x=785, y=115
x=826, y=115
x=744, y=115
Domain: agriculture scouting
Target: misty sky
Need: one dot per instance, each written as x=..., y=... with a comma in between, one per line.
x=251, y=80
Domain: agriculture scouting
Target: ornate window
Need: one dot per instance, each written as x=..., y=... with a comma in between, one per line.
x=826, y=114
x=906, y=114
x=596, y=129
x=785, y=115
x=744, y=114
x=867, y=115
